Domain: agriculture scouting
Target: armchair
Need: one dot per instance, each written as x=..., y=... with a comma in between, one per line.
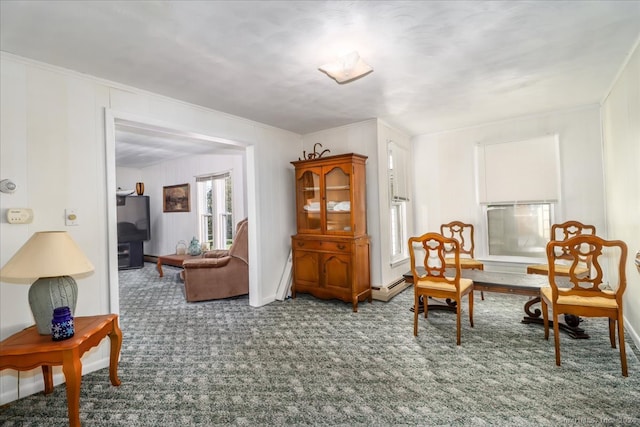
x=219, y=273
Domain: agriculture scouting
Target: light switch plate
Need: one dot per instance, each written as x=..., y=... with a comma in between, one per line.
x=19, y=215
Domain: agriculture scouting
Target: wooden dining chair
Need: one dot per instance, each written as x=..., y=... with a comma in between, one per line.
x=587, y=296
x=434, y=283
x=562, y=258
x=463, y=233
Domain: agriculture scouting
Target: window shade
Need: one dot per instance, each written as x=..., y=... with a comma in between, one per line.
x=522, y=171
x=398, y=170
x=204, y=178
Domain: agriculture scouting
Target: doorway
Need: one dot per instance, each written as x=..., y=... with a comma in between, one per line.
x=138, y=143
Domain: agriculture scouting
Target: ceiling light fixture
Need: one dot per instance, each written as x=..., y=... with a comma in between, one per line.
x=347, y=68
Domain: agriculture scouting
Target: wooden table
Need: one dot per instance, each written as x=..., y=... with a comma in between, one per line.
x=27, y=349
x=173, y=260
x=510, y=283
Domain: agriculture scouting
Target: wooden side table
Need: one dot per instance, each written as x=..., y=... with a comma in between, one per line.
x=28, y=349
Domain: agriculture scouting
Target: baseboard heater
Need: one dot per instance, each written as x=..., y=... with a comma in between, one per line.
x=389, y=291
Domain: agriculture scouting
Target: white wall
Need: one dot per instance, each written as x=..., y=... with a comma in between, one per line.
x=169, y=228
x=445, y=182
x=126, y=178
x=50, y=148
x=621, y=123
x=53, y=145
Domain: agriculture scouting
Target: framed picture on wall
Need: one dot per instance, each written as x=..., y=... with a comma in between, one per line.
x=176, y=198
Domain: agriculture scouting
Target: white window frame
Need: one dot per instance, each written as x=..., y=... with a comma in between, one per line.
x=399, y=237
x=398, y=199
x=221, y=218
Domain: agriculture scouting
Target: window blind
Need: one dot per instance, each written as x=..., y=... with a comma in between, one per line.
x=521, y=171
x=398, y=171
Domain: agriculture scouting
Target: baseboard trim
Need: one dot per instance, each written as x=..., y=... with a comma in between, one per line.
x=387, y=292
x=634, y=337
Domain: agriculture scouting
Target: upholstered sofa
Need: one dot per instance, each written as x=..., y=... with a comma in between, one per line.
x=219, y=273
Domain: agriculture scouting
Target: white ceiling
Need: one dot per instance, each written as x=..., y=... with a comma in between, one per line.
x=438, y=65
x=140, y=145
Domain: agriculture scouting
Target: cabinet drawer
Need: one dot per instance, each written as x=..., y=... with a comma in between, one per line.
x=319, y=245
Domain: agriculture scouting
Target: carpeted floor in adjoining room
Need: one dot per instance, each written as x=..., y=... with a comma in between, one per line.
x=308, y=362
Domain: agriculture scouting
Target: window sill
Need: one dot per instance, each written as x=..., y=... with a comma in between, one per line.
x=513, y=259
x=398, y=262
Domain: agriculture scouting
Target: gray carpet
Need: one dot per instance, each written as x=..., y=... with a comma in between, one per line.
x=313, y=362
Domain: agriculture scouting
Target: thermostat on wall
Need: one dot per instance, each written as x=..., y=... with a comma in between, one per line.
x=19, y=215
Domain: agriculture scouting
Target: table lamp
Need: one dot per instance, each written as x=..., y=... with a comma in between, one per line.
x=51, y=257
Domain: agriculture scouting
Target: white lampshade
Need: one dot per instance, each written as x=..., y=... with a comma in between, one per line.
x=49, y=258
x=47, y=254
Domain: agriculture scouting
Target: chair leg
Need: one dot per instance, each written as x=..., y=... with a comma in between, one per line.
x=425, y=300
x=481, y=292
x=556, y=337
x=545, y=317
x=458, y=312
x=415, y=315
x=623, y=354
x=471, y=308
x=612, y=332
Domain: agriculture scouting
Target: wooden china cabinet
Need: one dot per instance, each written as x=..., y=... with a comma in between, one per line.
x=331, y=247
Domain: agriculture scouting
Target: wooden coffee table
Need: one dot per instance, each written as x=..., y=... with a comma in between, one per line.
x=173, y=260
x=28, y=349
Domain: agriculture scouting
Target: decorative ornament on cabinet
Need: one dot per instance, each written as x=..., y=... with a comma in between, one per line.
x=315, y=154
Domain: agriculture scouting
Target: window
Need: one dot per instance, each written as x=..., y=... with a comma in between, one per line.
x=215, y=210
x=398, y=231
x=519, y=229
x=399, y=196
x=518, y=186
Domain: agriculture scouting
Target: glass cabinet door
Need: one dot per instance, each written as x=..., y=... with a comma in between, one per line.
x=338, y=201
x=308, y=200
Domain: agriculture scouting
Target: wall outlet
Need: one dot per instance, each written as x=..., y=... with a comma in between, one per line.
x=19, y=215
x=71, y=217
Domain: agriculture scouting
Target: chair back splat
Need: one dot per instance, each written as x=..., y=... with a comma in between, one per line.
x=561, y=257
x=463, y=233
